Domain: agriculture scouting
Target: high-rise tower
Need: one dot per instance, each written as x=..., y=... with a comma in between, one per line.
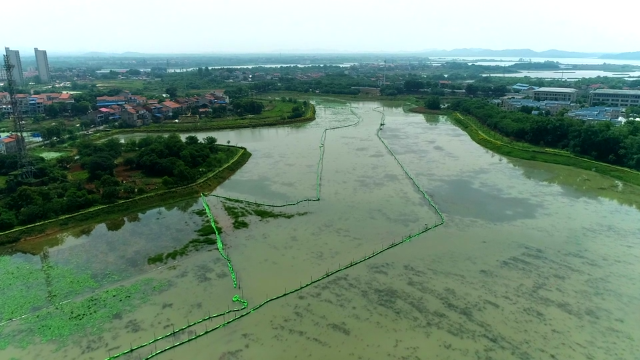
x=43, y=65
x=17, y=74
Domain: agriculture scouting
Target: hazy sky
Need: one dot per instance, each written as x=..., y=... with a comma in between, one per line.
x=195, y=26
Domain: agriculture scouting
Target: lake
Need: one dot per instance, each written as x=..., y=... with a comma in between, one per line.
x=535, y=261
x=506, y=61
x=572, y=74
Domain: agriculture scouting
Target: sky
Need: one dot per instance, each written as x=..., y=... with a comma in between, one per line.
x=253, y=26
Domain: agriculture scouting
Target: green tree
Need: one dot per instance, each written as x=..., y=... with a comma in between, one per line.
x=432, y=103
x=52, y=110
x=168, y=182
x=129, y=162
x=191, y=140
x=108, y=181
x=172, y=91
x=81, y=108
x=99, y=166
x=413, y=85
x=110, y=194
x=7, y=220
x=130, y=145
x=471, y=89
x=210, y=140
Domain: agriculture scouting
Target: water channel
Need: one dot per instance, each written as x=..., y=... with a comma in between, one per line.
x=535, y=260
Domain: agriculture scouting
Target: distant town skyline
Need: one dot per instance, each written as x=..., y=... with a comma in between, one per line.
x=253, y=26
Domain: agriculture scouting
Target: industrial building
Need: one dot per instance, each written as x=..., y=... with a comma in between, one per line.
x=14, y=59
x=620, y=98
x=555, y=94
x=554, y=107
x=598, y=113
x=43, y=65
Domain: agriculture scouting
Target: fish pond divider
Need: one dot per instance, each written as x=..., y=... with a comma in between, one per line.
x=244, y=305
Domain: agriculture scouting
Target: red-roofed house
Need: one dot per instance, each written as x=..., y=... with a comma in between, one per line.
x=137, y=100
x=171, y=107
x=9, y=144
x=130, y=117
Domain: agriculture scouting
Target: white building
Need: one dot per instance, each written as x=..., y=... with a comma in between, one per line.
x=621, y=98
x=43, y=65
x=555, y=94
x=14, y=59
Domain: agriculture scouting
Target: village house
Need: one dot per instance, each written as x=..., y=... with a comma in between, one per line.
x=4, y=97
x=110, y=100
x=9, y=144
x=33, y=104
x=171, y=107
x=156, y=110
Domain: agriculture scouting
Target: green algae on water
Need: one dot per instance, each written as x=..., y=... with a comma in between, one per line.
x=87, y=316
x=27, y=288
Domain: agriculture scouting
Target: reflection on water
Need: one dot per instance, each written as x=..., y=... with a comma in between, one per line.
x=533, y=263
x=581, y=183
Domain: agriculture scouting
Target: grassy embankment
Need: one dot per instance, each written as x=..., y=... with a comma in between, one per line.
x=104, y=212
x=270, y=117
x=504, y=146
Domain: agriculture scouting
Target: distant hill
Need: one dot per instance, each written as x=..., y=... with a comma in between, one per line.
x=124, y=54
x=623, y=56
x=519, y=53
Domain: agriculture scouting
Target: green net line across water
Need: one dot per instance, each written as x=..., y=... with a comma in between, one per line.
x=239, y=314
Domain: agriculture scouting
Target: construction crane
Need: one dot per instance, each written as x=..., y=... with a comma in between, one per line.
x=25, y=167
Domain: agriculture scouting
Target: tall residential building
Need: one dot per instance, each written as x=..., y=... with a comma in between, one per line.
x=14, y=59
x=43, y=65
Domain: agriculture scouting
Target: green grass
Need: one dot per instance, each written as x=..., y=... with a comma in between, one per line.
x=3, y=181
x=493, y=141
x=80, y=175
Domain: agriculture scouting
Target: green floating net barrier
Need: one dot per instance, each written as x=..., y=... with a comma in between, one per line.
x=244, y=309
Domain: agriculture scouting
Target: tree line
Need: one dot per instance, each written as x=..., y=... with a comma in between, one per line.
x=602, y=140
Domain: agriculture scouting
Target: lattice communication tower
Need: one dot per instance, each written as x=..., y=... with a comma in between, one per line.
x=24, y=164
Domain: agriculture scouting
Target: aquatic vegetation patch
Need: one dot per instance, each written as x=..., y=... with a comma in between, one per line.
x=239, y=212
x=155, y=259
x=88, y=316
x=200, y=212
x=268, y=214
x=194, y=245
x=206, y=230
